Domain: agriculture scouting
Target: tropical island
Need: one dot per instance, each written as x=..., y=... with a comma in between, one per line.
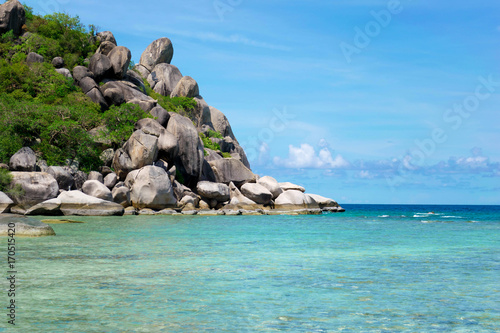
x=85, y=131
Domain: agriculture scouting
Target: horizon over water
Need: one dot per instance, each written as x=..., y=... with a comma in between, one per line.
x=374, y=268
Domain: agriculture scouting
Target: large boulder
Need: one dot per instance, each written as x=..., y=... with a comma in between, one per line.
x=217, y=191
x=271, y=184
x=238, y=199
x=136, y=79
x=64, y=72
x=25, y=226
x=257, y=193
x=79, y=203
x=160, y=115
x=149, y=126
x=97, y=97
x=80, y=72
x=110, y=180
x=151, y=188
x=220, y=123
x=168, y=147
x=23, y=160
x=119, y=92
x=50, y=207
x=189, y=160
x=294, y=199
x=58, y=62
x=143, y=71
x=121, y=195
x=120, y=57
x=87, y=84
x=159, y=51
x=140, y=149
x=105, y=47
x=33, y=58
x=100, y=65
x=64, y=179
x=36, y=187
x=5, y=203
x=228, y=170
x=12, y=17
x=322, y=201
x=287, y=186
x=97, y=189
x=186, y=87
x=106, y=36
x=164, y=78
x=201, y=115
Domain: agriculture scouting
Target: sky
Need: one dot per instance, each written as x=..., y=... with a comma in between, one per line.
x=363, y=101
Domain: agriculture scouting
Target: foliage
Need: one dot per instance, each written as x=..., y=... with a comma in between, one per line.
x=120, y=121
x=226, y=155
x=5, y=179
x=207, y=143
x=214, y=134
x=179, y=177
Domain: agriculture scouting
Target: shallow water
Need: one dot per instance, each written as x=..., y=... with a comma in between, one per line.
x=371, y=269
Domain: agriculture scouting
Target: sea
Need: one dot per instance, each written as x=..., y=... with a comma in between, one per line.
x=374, y=268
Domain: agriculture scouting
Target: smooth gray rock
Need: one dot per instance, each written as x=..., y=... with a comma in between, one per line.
x=287, y=186
x=164, y=78
x=294, y=199
x=106, y=36
x=97, y=97
x=186, y=87
x=119, y=92
x=24, y=226
x=97, y=189
x=322, y=201
x=228, y=170
x=50, y=207
x=136, y=79
x=151, y=188
x=106, y=47
x=121, y=195
x=145, y=105
x=5, y=203
x=256, y=193
x=143, y=71
x=207, y=174
x=168, y=147
x=220, y=123
x=79, y=72
x=23, y=160
x=271, y=184
x=101, y=66
x=159, y=51
x=80, y=178
x=81, y=204
x=94, y=175
x=149, y=126
x=12, y=17
x=189, y=160
x=217, y=191
x=201, y=115
x=107, y=156
x=58, y=62
x=110, y=180
x=212, y=155
x=142, y=149
x=120, y=57
x=161, y=115
x=87, y=84
x=64, y=72
x=122, y=164
x=34, y=58
x=37, y=187
x=64, y=179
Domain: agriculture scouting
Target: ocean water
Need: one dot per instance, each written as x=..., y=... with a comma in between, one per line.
x=372, y=269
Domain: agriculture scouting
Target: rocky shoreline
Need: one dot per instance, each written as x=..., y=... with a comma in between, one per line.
x=164, y=167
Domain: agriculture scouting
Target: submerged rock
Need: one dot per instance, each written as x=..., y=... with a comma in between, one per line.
x=24, y=226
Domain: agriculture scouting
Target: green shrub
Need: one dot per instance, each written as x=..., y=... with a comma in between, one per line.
x=120, y=121
x=214, y=134
x=226, y=155
x=207, y=143
x=5, y=180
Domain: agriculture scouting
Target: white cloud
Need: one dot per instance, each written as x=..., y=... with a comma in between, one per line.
x=305, y=157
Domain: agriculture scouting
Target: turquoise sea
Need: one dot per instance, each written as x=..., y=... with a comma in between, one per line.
x=383, y=268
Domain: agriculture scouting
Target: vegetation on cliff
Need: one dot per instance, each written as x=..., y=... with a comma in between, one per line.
x=46, y=111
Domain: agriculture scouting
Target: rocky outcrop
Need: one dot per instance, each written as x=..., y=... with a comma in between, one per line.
x=106, y=36
x=5, y=203
x=79, y=203
x=120, y=57
x=110, y=180
x=159, y=51
x=287, y=186
x=80, y=72
x=121, y=195
x=256, y=193
x=220, y=123
x=164, y=78
x=97, y=189
x=186, y=87
x=217, y=191
x=189, y=160
x=294, y=199
x=64, y=72
x=58, y=62
x=23, y=160
x=323, y=202
x=271, y=184
x=119, y=92
x=100, y=65
x=160, y=115
x=228, y=170
x=105, y=47
x=36, y=187
x=150, y=187
x=12, y=17
x=25, y=227
x=64, y=179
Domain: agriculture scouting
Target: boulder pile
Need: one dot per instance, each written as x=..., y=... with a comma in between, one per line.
x=163, y=168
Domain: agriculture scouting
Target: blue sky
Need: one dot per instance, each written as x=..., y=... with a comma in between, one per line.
x=363, y=101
